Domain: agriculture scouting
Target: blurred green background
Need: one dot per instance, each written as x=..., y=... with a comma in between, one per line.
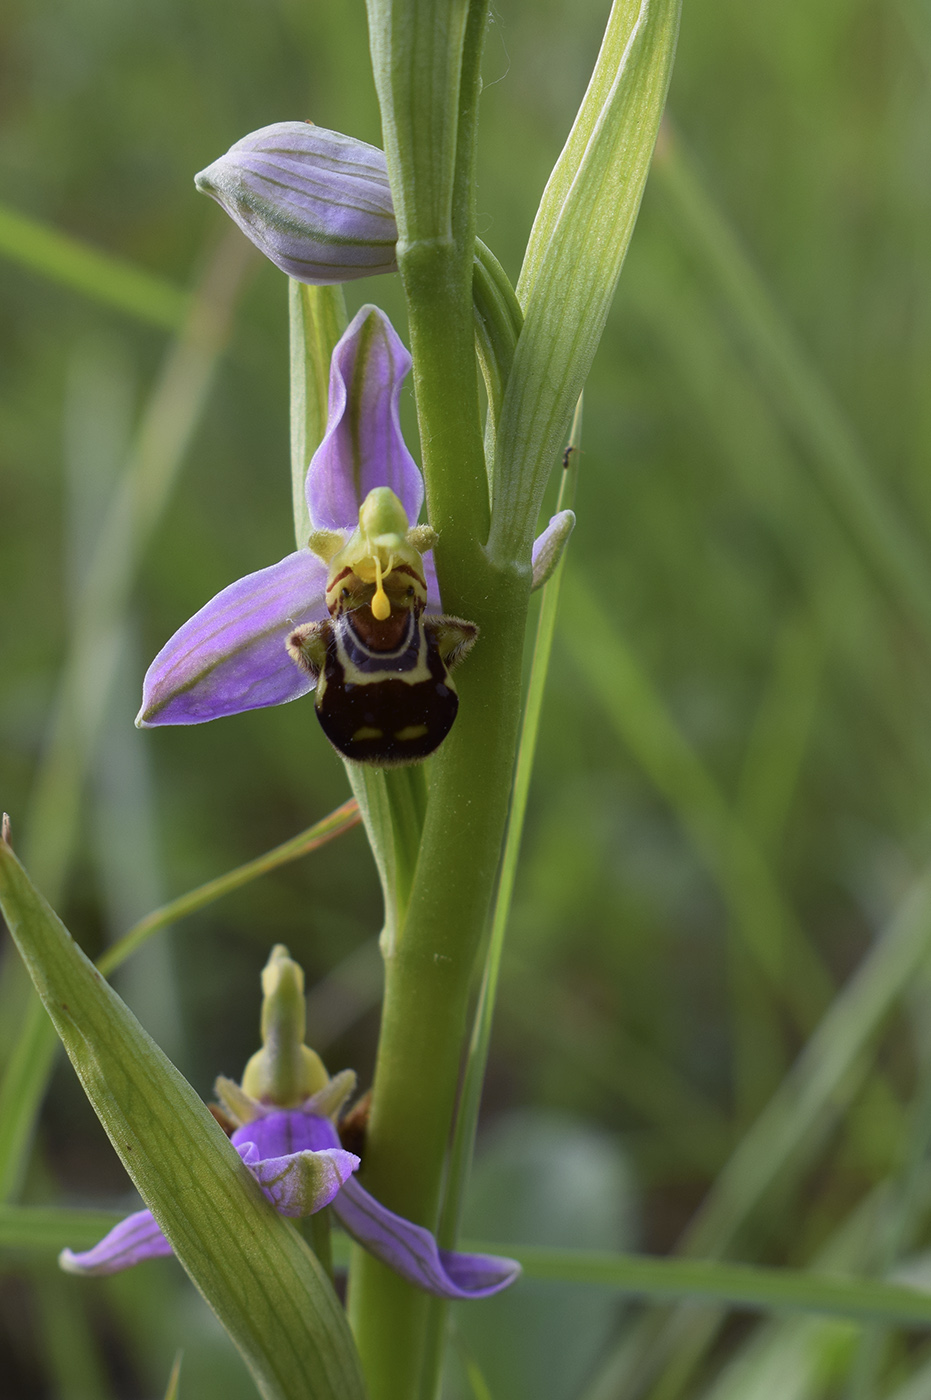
x=731, y=798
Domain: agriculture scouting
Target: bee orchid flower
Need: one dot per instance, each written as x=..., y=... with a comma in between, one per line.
x=288, y=1139
x=357, y=608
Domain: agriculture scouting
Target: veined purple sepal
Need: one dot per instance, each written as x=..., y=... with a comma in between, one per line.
x=363, y=446
x=411, y=1251
x=231, y=655
x=135, y=1239
x=285, y=1130
x=317, y=203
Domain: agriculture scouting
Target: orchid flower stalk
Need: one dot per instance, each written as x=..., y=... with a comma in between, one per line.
x=403, y=610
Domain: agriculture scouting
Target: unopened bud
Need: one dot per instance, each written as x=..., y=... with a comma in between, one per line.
x=314, y=201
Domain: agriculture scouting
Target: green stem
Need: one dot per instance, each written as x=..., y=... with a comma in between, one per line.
x=428, y=980
x=317, y=319
x=463, y=1145
x=429, y=971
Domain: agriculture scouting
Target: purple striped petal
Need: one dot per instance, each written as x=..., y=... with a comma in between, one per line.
x=412, y=1252
x=231, y=655
x=363, y=446
x=314, y=201
x=136, y=1238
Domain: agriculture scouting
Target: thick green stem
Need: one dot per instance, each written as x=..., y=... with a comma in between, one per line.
x=426, y=55
x=429, y=978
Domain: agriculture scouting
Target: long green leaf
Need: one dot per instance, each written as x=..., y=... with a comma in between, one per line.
x=99, y=275
x=740, y=1285
x=53, y=1228
x=577, y=247
x=252, y=1267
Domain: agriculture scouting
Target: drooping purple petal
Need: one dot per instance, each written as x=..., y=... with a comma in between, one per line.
x=317, y=203
x=412, y=1252
x=231, y=655
x=136, y=1238
x=363, y=446
x=548, y=546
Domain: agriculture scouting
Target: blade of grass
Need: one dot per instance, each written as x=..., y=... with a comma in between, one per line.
x=831, y=1290
x=623, y=1067
x=70, y=1352
x=854, y=619
x=738, y=1285
x=165, y=434
x=786, y=1137
x=171, y=1390
x=789, y=374
x=722, y=841
x=343, y=819
x=53, y=1228
x=91, y=271
x=470, y=1098
x=767, y=784
x=905, y=1190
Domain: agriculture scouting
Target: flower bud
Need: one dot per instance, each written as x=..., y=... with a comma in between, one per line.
x=314, y=201
x=284, y=1071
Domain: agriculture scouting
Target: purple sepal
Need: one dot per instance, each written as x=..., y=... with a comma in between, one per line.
x=412, y=1252
x=300, y=1183
x=231, y=655
x=363, y=446
x=433, y=588
x=136, y=1238
x=317, y=203
x=287, y=1130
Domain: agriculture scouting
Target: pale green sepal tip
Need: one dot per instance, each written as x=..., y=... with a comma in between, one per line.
x=240, y=1107
x=553, y=543
x=328, y=1101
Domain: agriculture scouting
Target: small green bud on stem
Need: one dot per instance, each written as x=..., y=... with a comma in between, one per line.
x=284, y=1071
